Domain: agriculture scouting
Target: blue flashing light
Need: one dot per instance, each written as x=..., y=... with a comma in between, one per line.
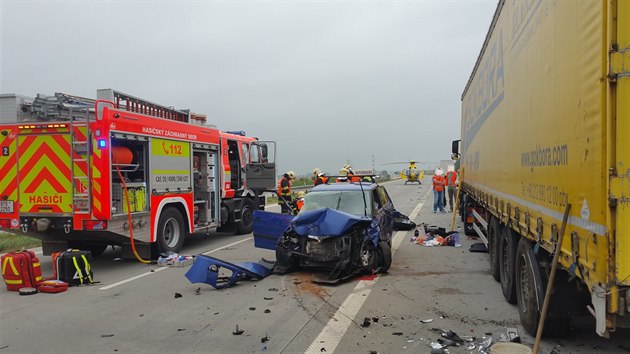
x=102, y=143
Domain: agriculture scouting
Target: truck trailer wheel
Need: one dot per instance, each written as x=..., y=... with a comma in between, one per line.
x=244, y=226
x=494, y=235
x=507, y=257
x=531, y=285
x=170, y=232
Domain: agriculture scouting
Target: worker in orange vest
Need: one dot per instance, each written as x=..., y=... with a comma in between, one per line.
x=439, y=184
x=299, y=202
x=284, y=192
x=319, y=177
x=451, y=180
x=351, y=176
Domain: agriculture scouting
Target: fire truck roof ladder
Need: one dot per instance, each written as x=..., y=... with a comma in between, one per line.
x=62, y=106
x=139, y=105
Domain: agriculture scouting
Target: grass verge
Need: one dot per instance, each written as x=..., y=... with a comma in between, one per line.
x=12, y=242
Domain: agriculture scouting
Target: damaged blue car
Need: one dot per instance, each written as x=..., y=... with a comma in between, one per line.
x=343, y=230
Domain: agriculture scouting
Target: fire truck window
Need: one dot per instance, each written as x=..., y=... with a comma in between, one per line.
x=245, y=153
x=235, y=164
x=254, y=154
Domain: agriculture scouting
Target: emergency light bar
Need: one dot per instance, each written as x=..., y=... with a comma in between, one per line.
x=42, y=126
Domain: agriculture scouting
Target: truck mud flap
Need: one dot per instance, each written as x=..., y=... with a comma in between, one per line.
x=208, y=270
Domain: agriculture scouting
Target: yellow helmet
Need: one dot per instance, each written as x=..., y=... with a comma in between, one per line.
x=343, y=172
x=347, y=167
x=291, y=174
x=316, y=172
x=300, y=194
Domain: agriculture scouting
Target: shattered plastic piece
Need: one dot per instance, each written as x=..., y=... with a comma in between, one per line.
x=436, y=345
x=273, y=289
x=268, y=298
x=106, y=335
x=237, y=331
x=267, y=311
x=484, y=345
x=512, y=334
x=205, y=269
x=198, y=291
x=375, y=319
x=428, y=320
x=366, y=322
x=252, y=308
x=397, y=334
x=410, y=340
x=178, y=295
x=470, y=346
x=264, y=339
x=452, y=335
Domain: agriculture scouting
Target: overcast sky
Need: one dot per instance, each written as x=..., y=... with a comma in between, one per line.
x=329, y=81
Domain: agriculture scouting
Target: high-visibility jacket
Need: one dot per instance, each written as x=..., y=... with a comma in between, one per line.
x=353, y=178
x=438, y=183
x=321, y=180
x=299, y=203
x=284, y=187
x=451, y=178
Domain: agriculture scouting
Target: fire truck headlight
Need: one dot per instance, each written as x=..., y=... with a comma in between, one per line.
x=102, y=143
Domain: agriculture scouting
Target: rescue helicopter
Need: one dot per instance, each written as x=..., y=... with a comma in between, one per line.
x=411, y=173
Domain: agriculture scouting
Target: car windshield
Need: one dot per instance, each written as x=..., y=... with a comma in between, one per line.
x=350, y=202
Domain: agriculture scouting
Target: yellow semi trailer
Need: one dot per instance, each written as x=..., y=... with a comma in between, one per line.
x=546, y=123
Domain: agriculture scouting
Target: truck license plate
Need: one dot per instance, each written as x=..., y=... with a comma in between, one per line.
x=6, y=206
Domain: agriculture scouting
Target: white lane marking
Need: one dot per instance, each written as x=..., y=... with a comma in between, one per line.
x=226, y=246
x=132, y=278
x=159, y=269
x=336, y=328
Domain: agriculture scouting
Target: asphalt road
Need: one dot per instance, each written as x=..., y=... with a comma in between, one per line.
x=134, y=307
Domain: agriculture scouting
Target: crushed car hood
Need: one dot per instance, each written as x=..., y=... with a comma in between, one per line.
x=269, y=227
x=326, y=222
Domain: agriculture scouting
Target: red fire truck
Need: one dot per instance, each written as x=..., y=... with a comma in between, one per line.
x=84, y=173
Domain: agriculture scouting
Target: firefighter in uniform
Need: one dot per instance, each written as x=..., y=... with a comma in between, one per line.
x=351, y=176
x=319, y=177
x=343, y=176
x=299, y=202
x=284, y=192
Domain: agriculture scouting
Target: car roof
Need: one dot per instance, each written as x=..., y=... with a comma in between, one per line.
x=345, y=186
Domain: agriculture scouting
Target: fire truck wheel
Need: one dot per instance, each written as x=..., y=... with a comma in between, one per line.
x=170, y=235
x=507, y=260
x=244, y=226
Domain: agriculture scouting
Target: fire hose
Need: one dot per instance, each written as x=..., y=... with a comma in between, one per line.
x=129, y=220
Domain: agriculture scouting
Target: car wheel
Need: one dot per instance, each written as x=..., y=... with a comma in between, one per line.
x=170, y=232
x=386, y=255
x=247, y=216
x=507, y=255
x=369, y=257
x=493, y=247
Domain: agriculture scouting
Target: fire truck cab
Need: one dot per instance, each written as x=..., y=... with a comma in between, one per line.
x=87, y=173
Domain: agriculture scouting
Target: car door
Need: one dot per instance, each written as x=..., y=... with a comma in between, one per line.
x=384, y=213
x=268, y=227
